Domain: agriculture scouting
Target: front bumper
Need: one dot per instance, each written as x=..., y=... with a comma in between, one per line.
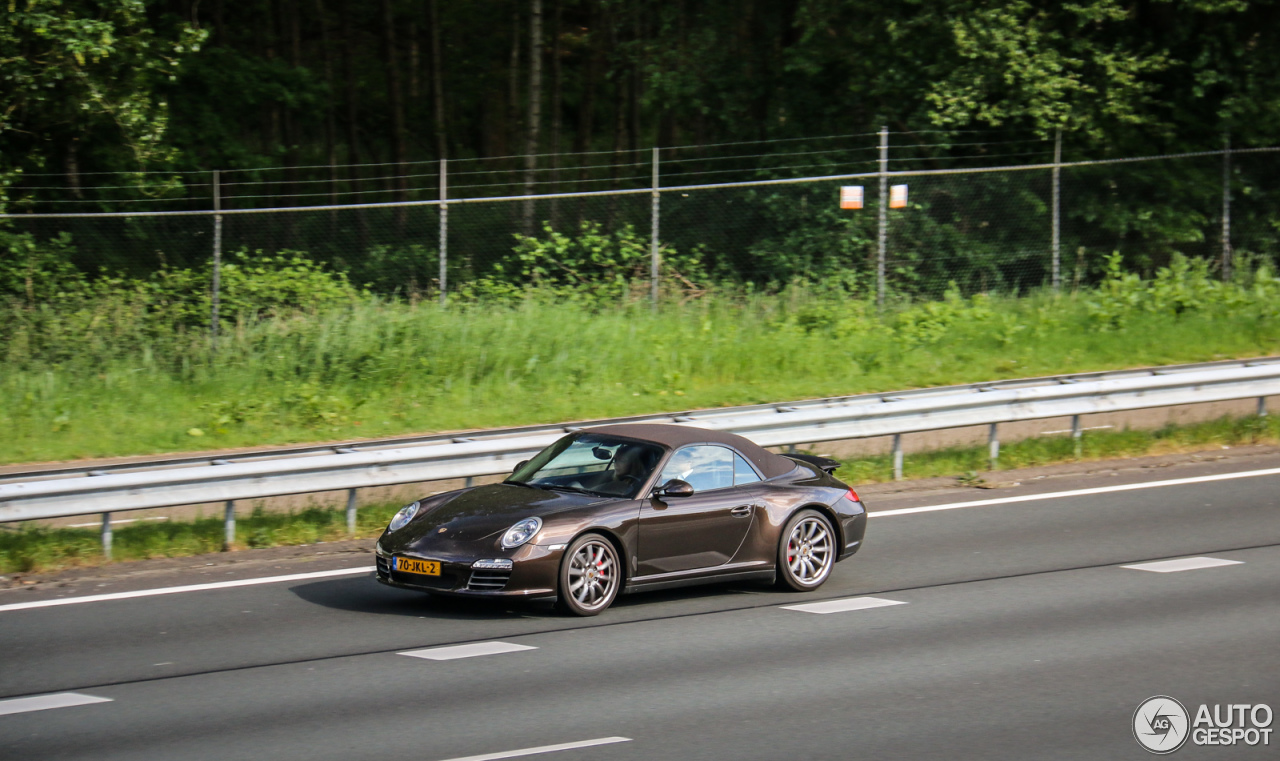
x=533, y=573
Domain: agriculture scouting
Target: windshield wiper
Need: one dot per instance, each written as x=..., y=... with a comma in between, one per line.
x=573, y=489
x=524, y=483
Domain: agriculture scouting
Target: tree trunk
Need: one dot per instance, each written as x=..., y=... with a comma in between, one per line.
x=535, y=110
x=72, y=165
x=415, y=61
x=352, y=126
x=513, y=84
x=556, y=92
x=437, y=84
x=637, y=76
x=291, y=24
x=396, y=96
x=330, y=126
x=587, y=108
x=219, y=31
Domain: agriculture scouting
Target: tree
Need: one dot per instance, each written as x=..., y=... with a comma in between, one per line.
x=82, y=77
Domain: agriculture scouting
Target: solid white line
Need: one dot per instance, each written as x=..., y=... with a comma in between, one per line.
x=840, y=606
x=188, y=588
x=453, y=652
x=1076, y=493
x=1182, y=564
x=542, y=749
x=45, y=702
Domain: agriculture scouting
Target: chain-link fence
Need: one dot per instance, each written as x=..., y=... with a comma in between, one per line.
x=1007, y=229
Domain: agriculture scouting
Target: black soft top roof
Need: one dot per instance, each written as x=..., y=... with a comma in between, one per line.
x=675, y=436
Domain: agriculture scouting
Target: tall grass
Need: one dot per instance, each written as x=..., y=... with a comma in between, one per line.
x=365, y=367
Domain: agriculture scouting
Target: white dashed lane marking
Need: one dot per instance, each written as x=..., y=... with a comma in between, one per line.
x=453, y=652
x=1182, y=564
x=45, y=702
x=840, y=606
x=543, y=749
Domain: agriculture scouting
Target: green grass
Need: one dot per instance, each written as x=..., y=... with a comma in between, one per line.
x=28, y=549
x=378, y=368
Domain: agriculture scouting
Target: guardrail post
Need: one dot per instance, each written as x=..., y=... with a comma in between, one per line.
x=351, y=512
x=106, y=535
x=1262, y=406
x=229, y=525
x=1076, y=433
x=897, y=457
x=993, y=445
x=468, y=482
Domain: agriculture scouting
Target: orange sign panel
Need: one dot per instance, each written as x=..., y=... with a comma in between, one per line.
x=898, y=197
x=851, y=197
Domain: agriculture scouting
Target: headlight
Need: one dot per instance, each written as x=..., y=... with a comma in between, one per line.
x=521, y=532
x=404, y=516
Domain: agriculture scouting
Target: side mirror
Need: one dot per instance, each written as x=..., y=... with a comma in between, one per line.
x=674, y=488
x=519, y=465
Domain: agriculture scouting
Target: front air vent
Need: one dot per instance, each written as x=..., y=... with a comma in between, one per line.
x=384, y=567
x=488, y=581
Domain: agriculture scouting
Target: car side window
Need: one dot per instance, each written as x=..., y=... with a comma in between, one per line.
x=743, y=473
x=704, y=467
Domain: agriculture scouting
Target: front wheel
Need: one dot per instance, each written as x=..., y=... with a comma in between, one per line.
x=590, y=576
x=806, y=552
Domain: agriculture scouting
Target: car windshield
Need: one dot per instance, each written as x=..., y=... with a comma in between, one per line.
x=592, y=464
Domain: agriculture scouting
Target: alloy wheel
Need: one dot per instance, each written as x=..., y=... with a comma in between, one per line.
x=810, y=551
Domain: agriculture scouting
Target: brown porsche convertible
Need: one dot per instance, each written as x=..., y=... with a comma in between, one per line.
x=626, y=508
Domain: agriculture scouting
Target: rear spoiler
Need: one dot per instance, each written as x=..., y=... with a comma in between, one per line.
x=825, y=464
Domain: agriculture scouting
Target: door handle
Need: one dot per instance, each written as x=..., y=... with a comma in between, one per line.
x=741, y=511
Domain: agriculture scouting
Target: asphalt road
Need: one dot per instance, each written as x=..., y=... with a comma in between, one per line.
x=1021, y=637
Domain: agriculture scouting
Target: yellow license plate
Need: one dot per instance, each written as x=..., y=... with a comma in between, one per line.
x=411, y=565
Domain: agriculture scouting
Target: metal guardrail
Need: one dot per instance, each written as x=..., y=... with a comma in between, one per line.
x=173, y=482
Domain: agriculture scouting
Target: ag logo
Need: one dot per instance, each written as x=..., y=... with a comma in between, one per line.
x=1160, y=724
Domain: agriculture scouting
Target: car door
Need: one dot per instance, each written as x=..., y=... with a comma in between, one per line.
x=700, y=531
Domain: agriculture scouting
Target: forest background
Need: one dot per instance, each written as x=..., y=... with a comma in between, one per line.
x=135, y=87
x=127, y=105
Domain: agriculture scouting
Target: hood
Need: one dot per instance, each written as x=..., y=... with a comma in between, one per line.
x=483, y=512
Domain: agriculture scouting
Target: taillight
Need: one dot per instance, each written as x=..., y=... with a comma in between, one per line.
x=853, y=495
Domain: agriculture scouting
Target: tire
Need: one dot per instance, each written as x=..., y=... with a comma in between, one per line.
x=590, y=576
x=806, y=551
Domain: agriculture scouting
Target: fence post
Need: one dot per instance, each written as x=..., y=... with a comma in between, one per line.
x=444, y=230
x=229, y=526
x=884, y=215
x=217, y=259
x=106, y=535
x=653, y=235
x=1226, y=206
x=1057, y=210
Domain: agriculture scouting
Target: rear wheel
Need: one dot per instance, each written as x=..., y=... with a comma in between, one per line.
x=806, y=552
x=590, y=576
